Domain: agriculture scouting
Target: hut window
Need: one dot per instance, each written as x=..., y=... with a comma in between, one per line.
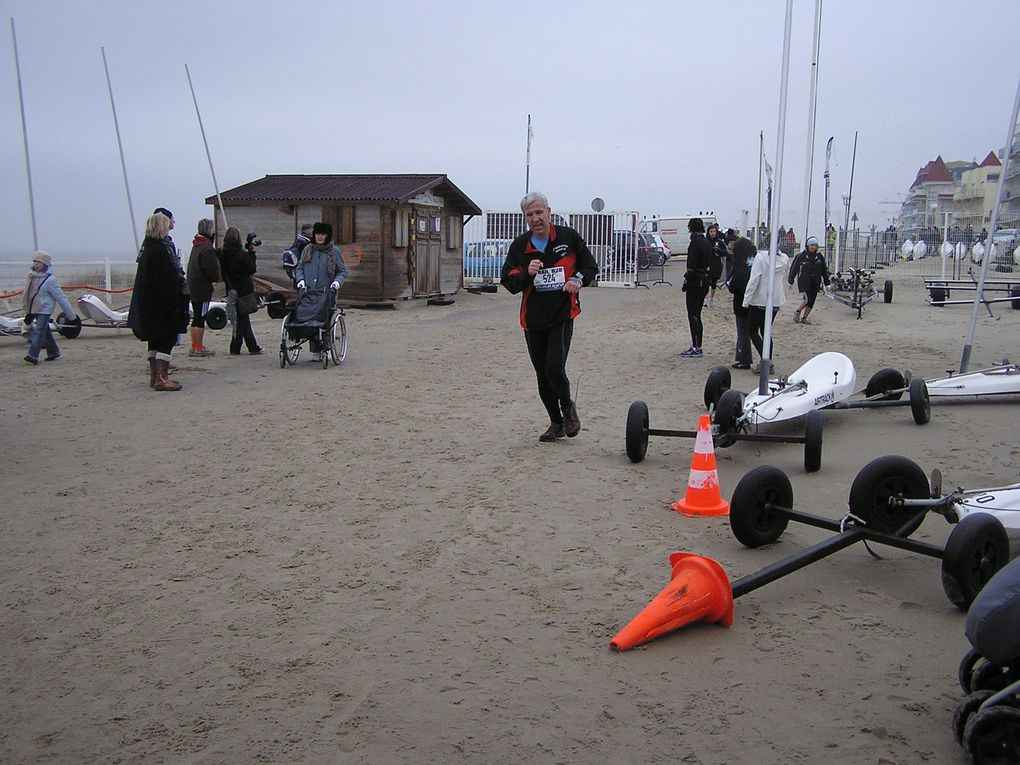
x=399, y=229
x=436, y=226
x=453, y=233
x=347, y=234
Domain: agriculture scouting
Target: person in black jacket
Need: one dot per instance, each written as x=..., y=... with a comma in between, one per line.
x=239, y=264
x=810, y=271
x=719, y=256
x=696, y=283
x=203, y=273
x=741, y=260
x=549, y=265
x=158, y=311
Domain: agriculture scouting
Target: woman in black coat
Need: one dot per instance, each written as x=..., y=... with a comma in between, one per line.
x=740, y=263
x=238, y=266
x=158, y=313
x=719, y=256
x=810, y=271
x=696, y=283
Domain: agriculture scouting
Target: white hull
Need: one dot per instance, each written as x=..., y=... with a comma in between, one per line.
x=997, y=381
x=822, y=381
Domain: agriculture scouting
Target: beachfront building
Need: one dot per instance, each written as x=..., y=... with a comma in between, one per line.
x=975, y=195
x=931, y=194
x=1010, y=212
x=401, y=235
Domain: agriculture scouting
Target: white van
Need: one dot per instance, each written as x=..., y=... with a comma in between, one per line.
x=673, y=229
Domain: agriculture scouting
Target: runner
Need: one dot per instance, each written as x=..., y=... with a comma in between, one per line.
x=549, y=264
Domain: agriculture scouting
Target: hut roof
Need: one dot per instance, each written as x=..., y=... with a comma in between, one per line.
x=393, y=189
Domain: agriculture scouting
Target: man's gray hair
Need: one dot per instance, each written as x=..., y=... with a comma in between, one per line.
x=532, y=197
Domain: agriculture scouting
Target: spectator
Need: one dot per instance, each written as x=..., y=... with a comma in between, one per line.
x=158, y=310
x=42, y=293
x=203, y=273
x=810, y=271
x=743, y=256
x=696, y=284
x=719, y=256
x=239, y=263
x=293, y=253
x=756, y=297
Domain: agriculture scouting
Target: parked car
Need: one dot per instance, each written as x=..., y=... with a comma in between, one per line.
x=661, y=244
x=484, y=260
x=627, y=245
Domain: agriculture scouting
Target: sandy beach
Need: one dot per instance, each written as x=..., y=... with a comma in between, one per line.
x=380, y=563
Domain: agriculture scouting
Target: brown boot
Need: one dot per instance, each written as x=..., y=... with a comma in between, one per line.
x=164, y=383
x=152, y=372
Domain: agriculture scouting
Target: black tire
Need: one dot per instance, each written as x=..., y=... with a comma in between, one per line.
x=216, y=318
x=991, y=677
x=813, y=441
x=1015, y=292
x=966, y=709
x=884, y=381
x=992, y=735
x=727, y=412
x=938, y=294
x=660, y=259
x=338, y=344
x=975, y=550
x=67, y=328
x=719, y=380
x=276, y=304
x=753, y=519
x=887, y=292
x=878, y=481
x=644, y=261
x=637, y=431
x=967, y=664
x=920, y=405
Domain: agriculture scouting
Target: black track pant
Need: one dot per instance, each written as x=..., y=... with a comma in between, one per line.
x=548, y=349
x=756, y=327
x=695, y=302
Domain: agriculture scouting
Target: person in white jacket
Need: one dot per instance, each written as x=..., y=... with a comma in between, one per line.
x=756, y=296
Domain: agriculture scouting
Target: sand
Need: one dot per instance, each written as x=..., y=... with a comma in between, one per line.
x=380, y=563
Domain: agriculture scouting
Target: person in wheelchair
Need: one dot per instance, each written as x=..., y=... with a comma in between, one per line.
x=292, y=255
x=320, y=266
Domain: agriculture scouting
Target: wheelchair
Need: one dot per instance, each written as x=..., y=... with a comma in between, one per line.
x=316, y=319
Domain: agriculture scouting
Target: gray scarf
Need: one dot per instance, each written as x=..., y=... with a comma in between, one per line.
x=32, y=286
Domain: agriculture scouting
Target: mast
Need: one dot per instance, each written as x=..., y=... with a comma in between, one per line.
x=813, y=111
x=24, y=136
x=766, y=360
x=216, y=185
x=120, y=149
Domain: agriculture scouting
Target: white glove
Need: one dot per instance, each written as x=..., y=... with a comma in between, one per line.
x=335, y=286
x=301, y=284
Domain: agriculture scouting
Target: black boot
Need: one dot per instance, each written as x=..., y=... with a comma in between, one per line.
x=571, y=422
x=555, y=431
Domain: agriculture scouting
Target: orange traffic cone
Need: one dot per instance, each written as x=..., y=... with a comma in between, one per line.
x=698, y=590
x=703, y=495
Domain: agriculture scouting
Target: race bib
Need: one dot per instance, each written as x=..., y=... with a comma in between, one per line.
x=550, y=279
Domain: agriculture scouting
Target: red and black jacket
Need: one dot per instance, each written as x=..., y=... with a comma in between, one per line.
x=566, y=248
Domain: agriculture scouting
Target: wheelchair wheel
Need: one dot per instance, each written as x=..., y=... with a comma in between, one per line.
x=289, y=349
x=338, y=339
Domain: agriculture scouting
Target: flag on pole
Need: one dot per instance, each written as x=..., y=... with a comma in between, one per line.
x=828, y=156
x=768, y=173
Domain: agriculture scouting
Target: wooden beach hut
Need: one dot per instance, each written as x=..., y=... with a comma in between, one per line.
x=401, y=235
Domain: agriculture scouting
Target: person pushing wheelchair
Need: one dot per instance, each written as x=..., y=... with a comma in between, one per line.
x=321, y=265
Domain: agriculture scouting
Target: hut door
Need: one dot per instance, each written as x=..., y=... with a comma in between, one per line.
x=427, y=249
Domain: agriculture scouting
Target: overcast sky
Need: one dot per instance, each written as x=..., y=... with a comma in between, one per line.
x=653, y=106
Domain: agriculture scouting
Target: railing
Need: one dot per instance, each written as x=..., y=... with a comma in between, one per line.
x=611, y=237
x=113, y=279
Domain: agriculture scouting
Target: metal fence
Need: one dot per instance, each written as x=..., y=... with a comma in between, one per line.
x=944, y=253
x=112, y=279
x=611, y=236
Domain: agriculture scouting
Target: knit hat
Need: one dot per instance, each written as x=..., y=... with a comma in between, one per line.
x=163, y=210
x=323, y=228
x=42, y=257
x=811, y=240
x=696, y=226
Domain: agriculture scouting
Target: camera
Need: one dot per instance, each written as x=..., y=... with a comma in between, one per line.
x=252, y=240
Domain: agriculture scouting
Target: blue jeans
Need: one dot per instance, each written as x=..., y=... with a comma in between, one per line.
x=42, y=337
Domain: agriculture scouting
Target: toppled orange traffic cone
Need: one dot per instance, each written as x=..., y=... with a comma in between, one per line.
x=698, y=590
x=703, y=496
